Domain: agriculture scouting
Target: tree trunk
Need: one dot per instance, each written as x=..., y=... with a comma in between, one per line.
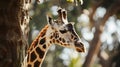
x=14, y=29
x=94, y=47
x=96, y=43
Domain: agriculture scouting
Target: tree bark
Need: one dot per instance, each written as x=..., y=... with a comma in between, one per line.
x=14, y=29
x=94, y=47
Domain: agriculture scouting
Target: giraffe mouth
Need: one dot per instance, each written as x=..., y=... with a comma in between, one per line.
x=79, y=46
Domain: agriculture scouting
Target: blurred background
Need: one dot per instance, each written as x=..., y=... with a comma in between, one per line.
x=96, y=21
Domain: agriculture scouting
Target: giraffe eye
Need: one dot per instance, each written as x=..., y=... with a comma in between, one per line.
x=63, y=31
x=70, y=27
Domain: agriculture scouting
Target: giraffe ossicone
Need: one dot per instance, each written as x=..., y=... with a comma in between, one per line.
x=58, y=31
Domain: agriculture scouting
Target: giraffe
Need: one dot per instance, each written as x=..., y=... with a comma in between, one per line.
x=58, y=31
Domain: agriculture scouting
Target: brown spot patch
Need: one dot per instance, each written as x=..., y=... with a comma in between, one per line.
x=36, y=64
x=35, y=43
x=53, y=40
x=65, y=44
x=43, y=33
x=44, y=46
x=50, y=41
x=57, y=41
x=60, y=39
x=63, y=40
x=56, y=35
x=33, y=56
x=40, y=52
x=42, y=41
x=51, y=37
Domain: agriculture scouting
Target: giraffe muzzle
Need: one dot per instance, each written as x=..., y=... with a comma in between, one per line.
x=79, y=46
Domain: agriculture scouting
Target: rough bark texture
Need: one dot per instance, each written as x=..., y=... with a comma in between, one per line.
x=13, y=32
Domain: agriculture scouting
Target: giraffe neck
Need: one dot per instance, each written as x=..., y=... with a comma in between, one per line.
x=38, y=50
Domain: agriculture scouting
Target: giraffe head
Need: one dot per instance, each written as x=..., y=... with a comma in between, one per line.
x=62, y=32
x=59, y=32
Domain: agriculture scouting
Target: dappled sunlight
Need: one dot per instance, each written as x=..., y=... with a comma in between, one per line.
x=111, y=25
x=83, y=18
x=83, y=25
x=60, y=33
x=87, y=34
x=100, y=12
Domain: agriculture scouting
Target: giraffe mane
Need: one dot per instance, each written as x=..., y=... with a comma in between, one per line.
x=41, y=34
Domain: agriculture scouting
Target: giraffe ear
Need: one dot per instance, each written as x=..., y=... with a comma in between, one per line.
x=49, y=20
